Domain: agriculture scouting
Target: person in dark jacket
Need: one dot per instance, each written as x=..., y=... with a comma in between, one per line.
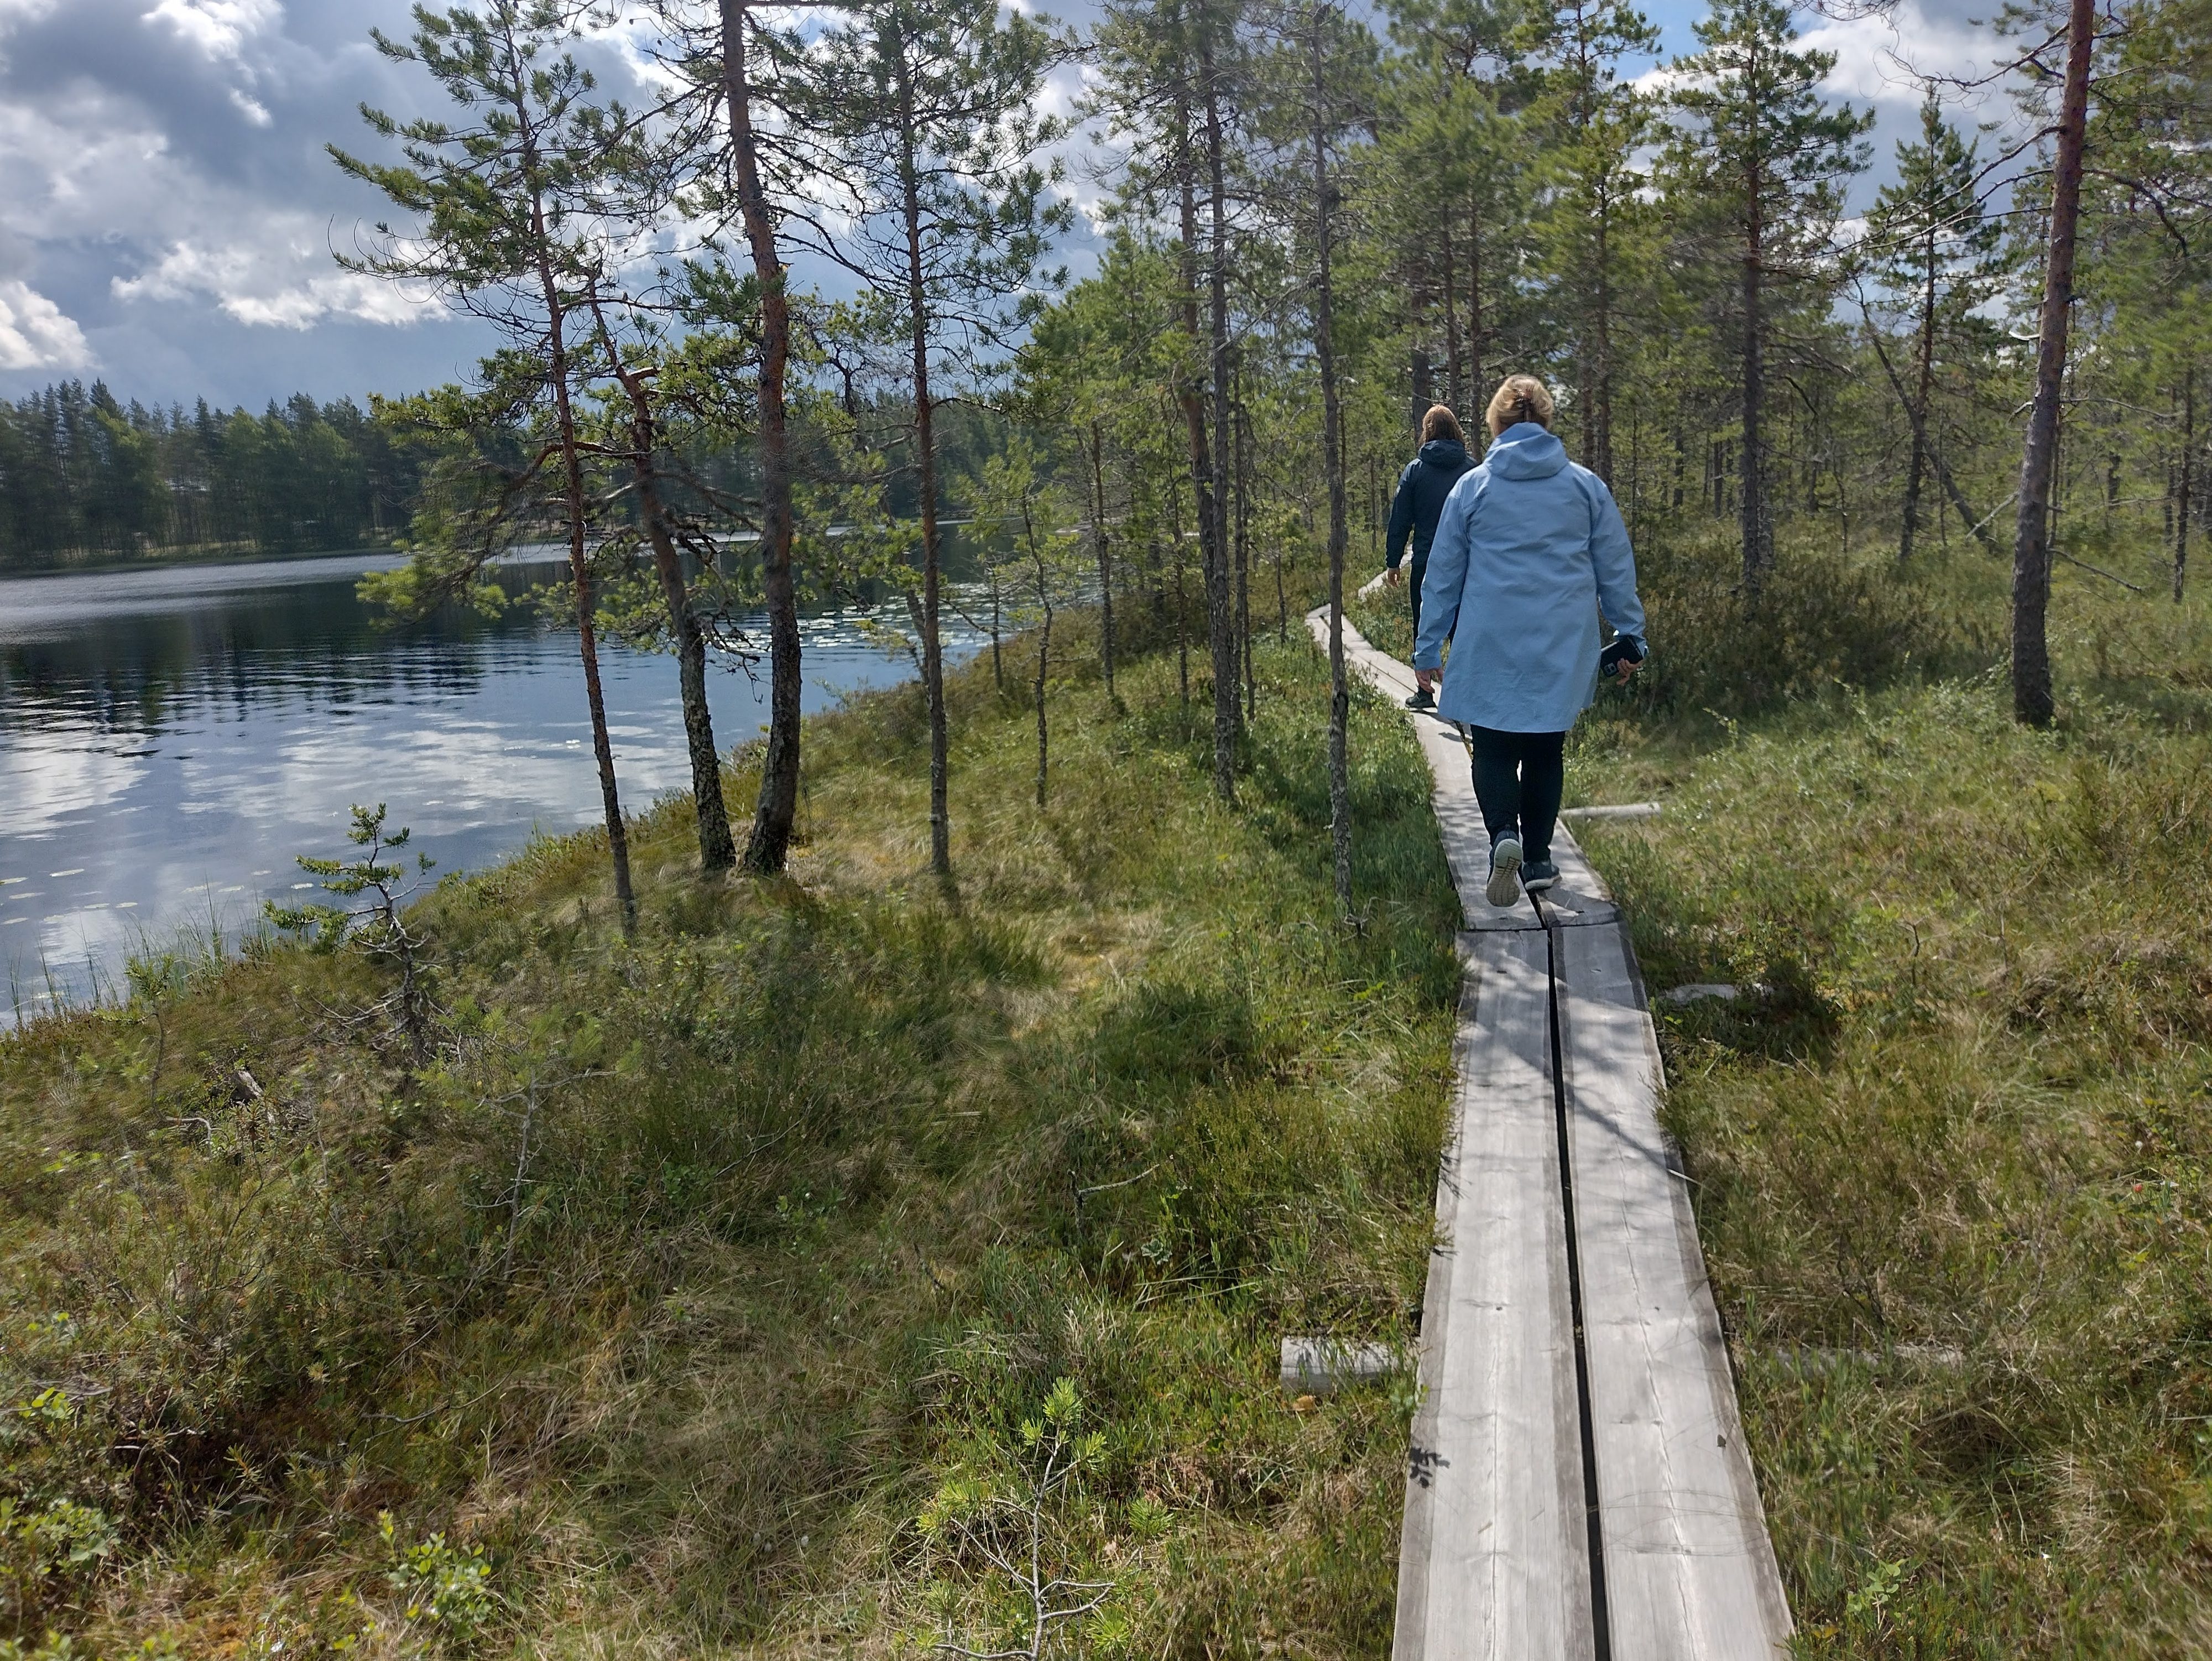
x=1419, y=502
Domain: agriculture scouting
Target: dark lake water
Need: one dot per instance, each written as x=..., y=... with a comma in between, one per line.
x=170, y=739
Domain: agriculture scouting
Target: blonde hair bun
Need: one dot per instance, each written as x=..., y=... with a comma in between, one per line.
x=1520, y=398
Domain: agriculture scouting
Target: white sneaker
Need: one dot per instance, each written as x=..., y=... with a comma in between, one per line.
x=1504, y=872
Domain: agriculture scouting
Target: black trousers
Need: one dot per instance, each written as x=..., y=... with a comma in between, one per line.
x=1419, y=564
x=1518, y=779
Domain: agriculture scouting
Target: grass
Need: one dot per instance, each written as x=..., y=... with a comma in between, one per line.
x=693, y=1300
x=1951, y=1155
x=1951, y=1151
x=710, y=1296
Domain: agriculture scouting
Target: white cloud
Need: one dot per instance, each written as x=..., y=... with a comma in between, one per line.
x=220, y=28
x=172, y=151
x=282, y=281
x=35, y=335
x=1883, y=58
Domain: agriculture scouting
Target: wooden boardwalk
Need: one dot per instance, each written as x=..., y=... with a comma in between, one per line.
x=1578, y=1485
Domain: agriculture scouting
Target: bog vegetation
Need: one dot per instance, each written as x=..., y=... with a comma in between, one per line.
x=692, y=1296
x=738, y=1265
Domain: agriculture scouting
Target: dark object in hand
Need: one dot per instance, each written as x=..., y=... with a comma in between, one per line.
x=1623, y=650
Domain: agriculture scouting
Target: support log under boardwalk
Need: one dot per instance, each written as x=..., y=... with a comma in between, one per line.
x=1578, y=1485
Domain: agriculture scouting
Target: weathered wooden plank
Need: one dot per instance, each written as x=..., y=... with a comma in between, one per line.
x=1466, y=840
x=1494, y=1563
x=1389, y=673
x=1575, y=872
x=1689, y=1569
x=1321, y=1366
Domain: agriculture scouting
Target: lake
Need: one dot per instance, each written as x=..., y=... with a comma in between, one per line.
x=170, y=739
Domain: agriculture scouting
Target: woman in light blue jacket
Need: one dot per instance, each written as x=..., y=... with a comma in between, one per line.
x=1529, y=551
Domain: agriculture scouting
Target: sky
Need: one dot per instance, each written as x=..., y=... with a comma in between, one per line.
x=169, y=214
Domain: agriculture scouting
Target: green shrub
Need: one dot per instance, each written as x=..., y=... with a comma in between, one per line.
x=1818, y=621
x=443, y=1589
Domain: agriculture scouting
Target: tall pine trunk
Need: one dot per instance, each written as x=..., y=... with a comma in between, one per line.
x=1193, y=417
x=1220, y=612
x=1182, y=597
x=2188, y=470
x=1599, y=460
x=1339, y=689
x=717, y=850
x=1923, y=397
x=1455, y=362
x=580, y=569
x=1105, y=558
x=2031, y=699
x=1477, y=428
x=773, y=814
x=1751, y=509
x=1244, y=468
x=1044, y=649
x=925, y=445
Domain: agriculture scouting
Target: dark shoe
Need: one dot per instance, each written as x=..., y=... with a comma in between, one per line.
x=1504, y=872
x=1422, y=699
x=1537, y=875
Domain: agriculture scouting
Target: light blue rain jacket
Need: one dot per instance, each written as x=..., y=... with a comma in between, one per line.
x=1529, y=547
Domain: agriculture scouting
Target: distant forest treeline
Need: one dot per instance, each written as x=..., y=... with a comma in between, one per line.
x=85, y=477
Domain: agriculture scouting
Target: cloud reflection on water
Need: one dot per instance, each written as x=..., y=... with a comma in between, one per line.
x=181, y=734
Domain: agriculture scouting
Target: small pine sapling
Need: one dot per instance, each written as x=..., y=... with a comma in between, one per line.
x=1013, y=1530
x=378, y=926
x=1015, y=518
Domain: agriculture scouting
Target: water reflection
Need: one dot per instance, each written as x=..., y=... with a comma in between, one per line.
x=170, y=739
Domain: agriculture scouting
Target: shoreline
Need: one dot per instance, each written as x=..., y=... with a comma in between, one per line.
x=107, y=566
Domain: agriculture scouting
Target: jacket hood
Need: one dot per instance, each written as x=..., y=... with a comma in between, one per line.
x=1444, y=453
x=1526, y=451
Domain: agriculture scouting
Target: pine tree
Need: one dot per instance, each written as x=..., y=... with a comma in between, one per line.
x=2148, y=281
x=1323, y=98
x=1940, y=256
x=637, y=441
x=2033, y=701
x=934, y=130
x=757, y=76
x=1218, y=49
x=1757, y=161
x=1599, y=126
x=1165, y=66
x=514, y=213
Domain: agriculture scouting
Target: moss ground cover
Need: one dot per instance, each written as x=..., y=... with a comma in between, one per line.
x=695, y=1298
x=1950, y=1156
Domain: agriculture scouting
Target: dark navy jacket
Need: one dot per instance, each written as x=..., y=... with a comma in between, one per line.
x=1420, y=502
